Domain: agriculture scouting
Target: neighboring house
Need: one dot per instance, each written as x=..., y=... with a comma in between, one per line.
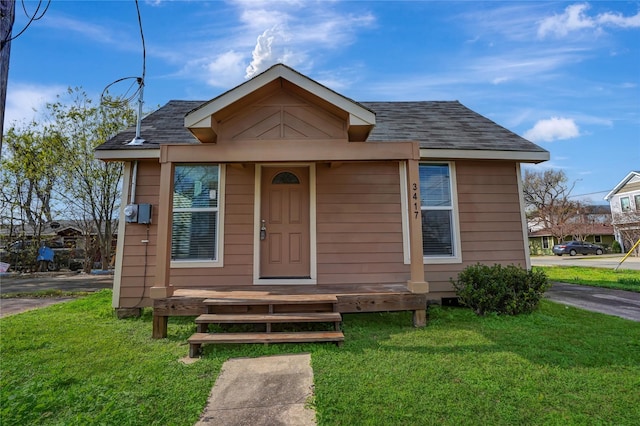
x=541, y=241
x=284, y=182
x=625, y=210
x=19, y=251
x=62, y=232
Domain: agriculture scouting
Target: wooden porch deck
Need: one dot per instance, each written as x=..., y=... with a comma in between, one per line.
x=350, y=299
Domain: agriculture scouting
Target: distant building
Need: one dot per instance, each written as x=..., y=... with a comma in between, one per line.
x=625, y=210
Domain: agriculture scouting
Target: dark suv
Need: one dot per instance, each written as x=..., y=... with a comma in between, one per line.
x=574, y=247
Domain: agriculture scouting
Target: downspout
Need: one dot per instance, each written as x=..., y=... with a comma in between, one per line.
x=134, y=179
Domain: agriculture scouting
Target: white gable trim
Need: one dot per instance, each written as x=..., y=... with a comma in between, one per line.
x=622, y=183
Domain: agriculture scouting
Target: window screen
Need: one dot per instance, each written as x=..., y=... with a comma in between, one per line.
x=437, y=210
x=194, y=233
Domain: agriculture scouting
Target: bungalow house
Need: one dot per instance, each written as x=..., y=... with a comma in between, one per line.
x=283, y=189
x=591, y=223
x=625, y=210
x=541, y=241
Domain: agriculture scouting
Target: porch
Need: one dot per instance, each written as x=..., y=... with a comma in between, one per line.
x=263, y=300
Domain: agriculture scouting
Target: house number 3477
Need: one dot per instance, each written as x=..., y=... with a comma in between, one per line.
x=415, y=200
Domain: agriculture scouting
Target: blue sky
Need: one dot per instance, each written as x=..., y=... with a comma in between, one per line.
x=565, y=75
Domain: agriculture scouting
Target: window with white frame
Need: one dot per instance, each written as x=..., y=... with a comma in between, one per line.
x=195, y=226
x=438, y=215
x=625, y=204
x=636, y=198
x=545, y=242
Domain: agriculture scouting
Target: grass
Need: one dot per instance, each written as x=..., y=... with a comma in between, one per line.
x=623, y=279
x=76, y=364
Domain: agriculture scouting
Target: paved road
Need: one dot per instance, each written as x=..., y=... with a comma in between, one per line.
x=46, y=281
x=623, y=304
x=605, y=261
x=54, y=281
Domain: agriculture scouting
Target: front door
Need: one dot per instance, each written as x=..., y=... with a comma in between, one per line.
x=284, y=223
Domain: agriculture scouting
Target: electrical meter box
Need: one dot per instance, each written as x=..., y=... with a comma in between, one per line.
x=144, y=213
x=138, y=213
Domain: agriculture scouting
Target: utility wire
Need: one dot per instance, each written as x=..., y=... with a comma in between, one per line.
x=125, y=99
x=590, y=193
x=32, y=18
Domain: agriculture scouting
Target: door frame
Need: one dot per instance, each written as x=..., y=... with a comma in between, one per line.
x=313, y=266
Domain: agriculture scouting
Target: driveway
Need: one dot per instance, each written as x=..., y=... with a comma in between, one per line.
x=604, y=261
x=623, y=304
x=46, y=281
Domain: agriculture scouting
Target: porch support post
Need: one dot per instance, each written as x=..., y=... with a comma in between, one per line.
x=162, y=287
x=416, y=283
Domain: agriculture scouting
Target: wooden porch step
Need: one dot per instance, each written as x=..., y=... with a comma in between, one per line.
x=298, y=337
x=275, y=299
x=268, y=318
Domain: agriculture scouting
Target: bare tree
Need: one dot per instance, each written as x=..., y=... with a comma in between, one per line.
x=546, y=195
x=91, y=187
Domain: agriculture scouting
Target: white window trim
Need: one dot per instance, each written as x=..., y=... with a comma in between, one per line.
x=455, y=219
x=628, y=198
x=219, y=262
x=313, y=266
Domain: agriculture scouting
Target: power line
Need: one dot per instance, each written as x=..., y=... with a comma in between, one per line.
x=590, y=193
x=126, y=98
x=32, y=18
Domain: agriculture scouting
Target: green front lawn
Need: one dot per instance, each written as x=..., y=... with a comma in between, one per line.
x=76, y=364
x=622, y=279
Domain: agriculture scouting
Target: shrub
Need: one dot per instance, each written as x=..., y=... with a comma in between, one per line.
x=615, y=247
x=507, y=290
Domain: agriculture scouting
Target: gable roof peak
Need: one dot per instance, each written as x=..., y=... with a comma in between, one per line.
x=632, y=174
x=200, y=123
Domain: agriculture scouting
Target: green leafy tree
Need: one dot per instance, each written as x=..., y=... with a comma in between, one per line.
x=91, y=187
x=29, y=173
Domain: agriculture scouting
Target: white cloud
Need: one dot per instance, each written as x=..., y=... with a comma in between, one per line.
x=554, y=128
x=301, y=34
x=24, y=101
x=223, y=70
x=271, y=48
x=294, y=38
x=575, y=18
x=82, y=28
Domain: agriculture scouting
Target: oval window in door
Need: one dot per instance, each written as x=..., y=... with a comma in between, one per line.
x=285, y=178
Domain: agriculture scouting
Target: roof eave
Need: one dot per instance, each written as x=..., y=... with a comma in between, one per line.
x=533, y=157
x=126, y=154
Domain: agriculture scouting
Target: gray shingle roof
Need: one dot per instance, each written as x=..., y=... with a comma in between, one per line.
x=435, y=125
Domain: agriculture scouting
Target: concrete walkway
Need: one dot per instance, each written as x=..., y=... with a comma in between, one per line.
x=271, y=391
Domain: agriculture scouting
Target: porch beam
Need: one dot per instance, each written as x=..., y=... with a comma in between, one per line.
x=262, y=151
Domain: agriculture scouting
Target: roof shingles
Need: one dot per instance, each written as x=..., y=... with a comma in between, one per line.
x=434, y=124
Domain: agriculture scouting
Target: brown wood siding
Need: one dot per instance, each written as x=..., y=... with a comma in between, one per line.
x=359, y=224
x=134, y=285
x=282, y=115
x=490, y=221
